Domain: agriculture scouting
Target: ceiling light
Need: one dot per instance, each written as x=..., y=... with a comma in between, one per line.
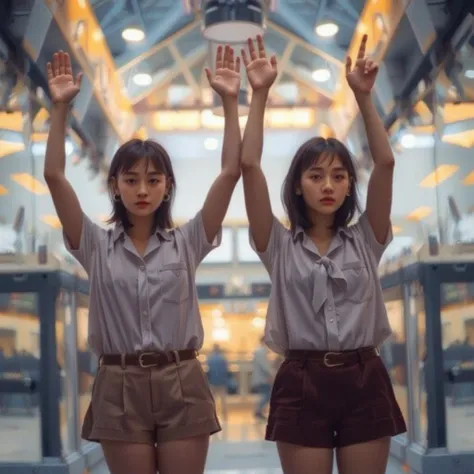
x=133, y=35
x=211, y=143
x=408, y=140
x=469, y=73
x=142, y=79
x=326, y=30
x=321, y=75
x=232, y=22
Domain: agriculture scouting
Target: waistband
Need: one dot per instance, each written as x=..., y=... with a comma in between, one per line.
x=148, y=359
x=335, y=359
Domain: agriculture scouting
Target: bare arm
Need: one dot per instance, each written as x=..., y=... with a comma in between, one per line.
x=218, y=198
x=63, y=89
x=361, y=79
x=261, y=73
x=380, y=188
x=257, y=198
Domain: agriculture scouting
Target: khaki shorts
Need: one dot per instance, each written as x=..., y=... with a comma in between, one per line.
x=151, y=405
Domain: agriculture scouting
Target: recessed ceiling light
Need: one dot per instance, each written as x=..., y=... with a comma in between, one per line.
x=134, y=35
x=321, y=75
x=469, y=73
x=326, y=30
x=142, y=79
x=211, y=143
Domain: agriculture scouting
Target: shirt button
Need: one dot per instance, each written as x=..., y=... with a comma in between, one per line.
x=330, y=307
x=142, y=268
x=145, y=313
x=331, y=320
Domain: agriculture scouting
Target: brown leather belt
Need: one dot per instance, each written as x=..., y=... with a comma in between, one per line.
x=335, y=359
x=148, y=359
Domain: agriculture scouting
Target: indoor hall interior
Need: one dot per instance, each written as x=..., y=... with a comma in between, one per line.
x=143, y=63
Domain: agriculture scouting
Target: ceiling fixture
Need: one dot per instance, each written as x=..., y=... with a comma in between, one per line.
x=326, y=30
x=211, y=143
x=142, y=79
x=469, y=73
x=321, y=75
x=231, y=21
x=133, y=35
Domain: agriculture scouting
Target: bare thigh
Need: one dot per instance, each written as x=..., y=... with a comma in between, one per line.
x=303, y=460
x=125, y=458
x=183, y=456
x=369, y=458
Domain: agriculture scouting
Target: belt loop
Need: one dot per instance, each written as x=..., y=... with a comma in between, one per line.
x=176, y=357
x=122, y=361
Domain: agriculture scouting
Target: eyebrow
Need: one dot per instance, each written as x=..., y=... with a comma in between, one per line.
x=150, y=173
x=320, y=168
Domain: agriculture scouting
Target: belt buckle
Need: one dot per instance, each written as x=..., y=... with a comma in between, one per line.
x=327, y=363
x=142, y=364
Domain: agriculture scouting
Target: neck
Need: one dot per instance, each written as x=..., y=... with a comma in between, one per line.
x=142, y=227
x=322, y=227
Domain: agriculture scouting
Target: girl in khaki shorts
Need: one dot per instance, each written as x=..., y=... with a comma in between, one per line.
x=151, y=405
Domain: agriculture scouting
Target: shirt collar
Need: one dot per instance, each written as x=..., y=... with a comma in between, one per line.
x=118, y=231
x=341, y=231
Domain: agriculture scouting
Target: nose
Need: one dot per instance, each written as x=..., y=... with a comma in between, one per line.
x=143, y=189
x=327, y=185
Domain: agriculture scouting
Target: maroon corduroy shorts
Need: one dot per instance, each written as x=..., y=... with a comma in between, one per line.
x=318, y=406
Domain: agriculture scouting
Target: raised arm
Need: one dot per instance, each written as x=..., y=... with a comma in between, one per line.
x=63, y=88
x=226, y=82
x=361, y=79
x=261, y=74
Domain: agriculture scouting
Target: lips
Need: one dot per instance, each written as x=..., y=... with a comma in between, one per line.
x=142, y=203
x=328, y=201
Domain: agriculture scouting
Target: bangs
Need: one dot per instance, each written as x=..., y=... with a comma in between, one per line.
x=319, y=150
x=133, y=152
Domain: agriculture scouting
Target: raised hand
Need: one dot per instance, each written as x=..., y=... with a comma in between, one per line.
x=361, y=79
x=226, y=78
x=62, y=85
x=260, y=71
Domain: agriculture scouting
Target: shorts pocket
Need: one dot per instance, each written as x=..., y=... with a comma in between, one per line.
x=288, y=388
x=286, y=416
x=108, y=397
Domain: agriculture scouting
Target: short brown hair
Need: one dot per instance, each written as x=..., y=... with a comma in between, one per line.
x=308, y=154
x=125, y=158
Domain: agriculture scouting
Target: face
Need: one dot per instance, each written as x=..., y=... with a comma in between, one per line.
x=142, y=188
x=325, y=185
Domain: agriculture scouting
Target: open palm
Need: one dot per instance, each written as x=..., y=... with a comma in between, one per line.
x=361, y=78
x=226, y=78
x=62, y=85
x=261, y=72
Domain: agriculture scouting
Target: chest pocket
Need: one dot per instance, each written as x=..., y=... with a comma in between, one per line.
x=174, y=285
x=359, y=282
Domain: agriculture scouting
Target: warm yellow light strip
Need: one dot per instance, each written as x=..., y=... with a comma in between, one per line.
x=30, y=184
x=396, y=229
x=469, y=179
x=440, y=174
x=39, y=137
x=40, y=120
x=52, y=221
x=464, y=139
x=3, y=190
x=12, y=121
x=9, y=148
x=419, y=213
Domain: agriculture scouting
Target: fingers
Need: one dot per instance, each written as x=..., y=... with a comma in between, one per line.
x=245, y=58
x=219, y=59
x=273, y=62
x=261, y=47
x=208, y=74
x=253, y=53
x=67, y=64
x=56, y=64
x=363, y=44
x=370, y=67
x=348, y=65
x=49, y=71
x=78, y=81
x=228, y=59
x=62, y=63
x=237, y=64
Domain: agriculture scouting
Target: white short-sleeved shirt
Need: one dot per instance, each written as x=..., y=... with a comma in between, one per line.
x=143, y=303
x=332, y=302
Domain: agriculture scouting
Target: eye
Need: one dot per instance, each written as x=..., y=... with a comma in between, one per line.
x=153, y=181
x=315, y=176
x=130, y=180
x=339, y=177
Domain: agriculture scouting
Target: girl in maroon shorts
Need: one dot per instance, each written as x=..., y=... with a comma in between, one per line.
x=326, y=312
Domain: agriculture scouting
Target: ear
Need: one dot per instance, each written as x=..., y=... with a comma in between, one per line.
x=114, y=185
x=169, y=184
x=298, y=191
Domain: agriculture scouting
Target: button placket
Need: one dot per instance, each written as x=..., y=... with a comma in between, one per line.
x=143, y=306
